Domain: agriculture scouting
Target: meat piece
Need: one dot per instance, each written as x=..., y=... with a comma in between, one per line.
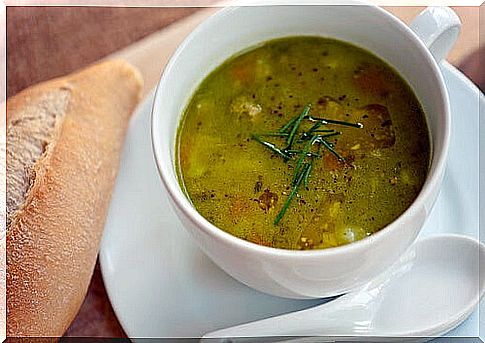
x=267, y=200
x=373, y=80
x=377, y=131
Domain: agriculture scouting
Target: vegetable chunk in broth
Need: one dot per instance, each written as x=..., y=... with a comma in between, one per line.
x=303, y=143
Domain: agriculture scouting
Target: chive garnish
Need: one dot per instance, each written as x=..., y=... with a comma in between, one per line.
x=298, y=152
x=307, y=174
x=327, y=131
x=329, y=146
x=314, y=128
x=288, y=125
x=330, y=135
x=293, y=192
x=325, y=136
x=296, y=125
x=304, y=153
x=274, y=134
x=271, y=147
x=313, y=136
x=325, y=121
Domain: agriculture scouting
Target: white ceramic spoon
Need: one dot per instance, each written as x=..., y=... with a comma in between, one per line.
x=432, y=289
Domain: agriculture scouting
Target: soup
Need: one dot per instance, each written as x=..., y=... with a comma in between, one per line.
x=303, y=143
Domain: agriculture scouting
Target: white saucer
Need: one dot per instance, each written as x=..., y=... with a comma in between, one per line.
x=161, y=285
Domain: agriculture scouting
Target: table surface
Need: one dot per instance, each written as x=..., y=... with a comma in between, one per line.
x=43, y=43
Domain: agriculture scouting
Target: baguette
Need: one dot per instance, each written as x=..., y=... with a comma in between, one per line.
x=64, y=139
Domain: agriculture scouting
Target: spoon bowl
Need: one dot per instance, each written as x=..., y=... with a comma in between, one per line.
x=439, y=291
x=432, y=289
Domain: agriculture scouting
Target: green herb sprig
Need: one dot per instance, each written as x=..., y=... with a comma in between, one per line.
x=315, y=136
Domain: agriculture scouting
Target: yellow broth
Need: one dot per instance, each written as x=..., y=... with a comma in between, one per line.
x=240, y=185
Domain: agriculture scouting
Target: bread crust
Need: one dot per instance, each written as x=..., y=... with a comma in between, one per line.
x=53, y=238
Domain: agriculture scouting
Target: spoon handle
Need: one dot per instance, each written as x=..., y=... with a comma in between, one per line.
x=347, y=315
x=446, y=282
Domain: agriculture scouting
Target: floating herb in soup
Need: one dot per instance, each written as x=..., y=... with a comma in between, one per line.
x=303, y=143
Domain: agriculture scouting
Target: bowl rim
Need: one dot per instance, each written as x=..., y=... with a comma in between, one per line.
x=182, y=203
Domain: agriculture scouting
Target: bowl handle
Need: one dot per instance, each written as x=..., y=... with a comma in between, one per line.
x=438, y=28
